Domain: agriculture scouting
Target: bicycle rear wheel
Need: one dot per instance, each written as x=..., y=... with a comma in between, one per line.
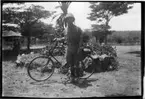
x=40, y=68
x=87, y=67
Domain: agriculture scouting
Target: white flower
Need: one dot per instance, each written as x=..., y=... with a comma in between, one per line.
x=103, y=56
x=32, y=53
x=110, y=67
x=23, y=54
x=18, y=59
x=95, y=56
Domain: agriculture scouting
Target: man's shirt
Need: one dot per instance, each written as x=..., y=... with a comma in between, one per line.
x=73, y=35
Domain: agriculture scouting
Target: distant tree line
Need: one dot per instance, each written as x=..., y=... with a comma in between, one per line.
x=102, y=13
x=125, y=37
x=117, y=37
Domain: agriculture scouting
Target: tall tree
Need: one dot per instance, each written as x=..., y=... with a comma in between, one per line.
x=41, y=28
x=103, y=12
x=100, y=33
x=25, y=18
x=60, y=20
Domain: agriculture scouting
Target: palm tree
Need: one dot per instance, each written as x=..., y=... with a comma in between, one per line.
x=60, y=21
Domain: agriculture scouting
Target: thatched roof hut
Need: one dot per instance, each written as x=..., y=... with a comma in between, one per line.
x=11, y=34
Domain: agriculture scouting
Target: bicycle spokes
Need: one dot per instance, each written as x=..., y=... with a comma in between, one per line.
x=41, y=68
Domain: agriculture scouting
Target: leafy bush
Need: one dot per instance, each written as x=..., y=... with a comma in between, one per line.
x=24, y=59
x=58, y=51
x=103, y=49
x=109, y=62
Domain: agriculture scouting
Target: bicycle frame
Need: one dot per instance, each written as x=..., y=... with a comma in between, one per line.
x=55, y=64
x=51, y=51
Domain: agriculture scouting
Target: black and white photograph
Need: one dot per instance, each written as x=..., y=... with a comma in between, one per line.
x=68, y=49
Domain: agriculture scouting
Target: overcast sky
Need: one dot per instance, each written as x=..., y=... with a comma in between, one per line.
x=129, y=21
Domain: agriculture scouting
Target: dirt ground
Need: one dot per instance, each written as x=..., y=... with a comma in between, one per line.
x=124, y=82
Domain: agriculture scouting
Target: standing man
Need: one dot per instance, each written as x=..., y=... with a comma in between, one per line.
x=74, y=41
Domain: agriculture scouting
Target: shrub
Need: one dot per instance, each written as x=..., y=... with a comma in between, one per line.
x=106, y=59
x=24, y=59
x=109, y=62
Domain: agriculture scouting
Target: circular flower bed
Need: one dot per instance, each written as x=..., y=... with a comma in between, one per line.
x=105, y=57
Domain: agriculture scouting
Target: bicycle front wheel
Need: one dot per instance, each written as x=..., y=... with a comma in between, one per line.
x=40, y=68
x=87, y=67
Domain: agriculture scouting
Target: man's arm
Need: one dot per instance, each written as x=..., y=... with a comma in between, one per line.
x=81, y=39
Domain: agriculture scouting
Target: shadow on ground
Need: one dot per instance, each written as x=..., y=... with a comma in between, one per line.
x=84, y=84
x=116, y=95
x=138, y=53
x=10, y=55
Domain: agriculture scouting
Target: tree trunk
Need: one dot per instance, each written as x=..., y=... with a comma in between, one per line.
x=97, y=40
x=28, y=43
x=105, y=39
x=106, y=31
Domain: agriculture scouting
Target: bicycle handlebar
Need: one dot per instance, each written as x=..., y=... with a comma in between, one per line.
x=56, y=41
x=59, y=39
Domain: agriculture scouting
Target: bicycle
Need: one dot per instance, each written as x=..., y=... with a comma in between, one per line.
x=43, y=66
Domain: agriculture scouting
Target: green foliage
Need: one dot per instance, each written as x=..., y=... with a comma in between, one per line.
x=25, y=18
x=103, y=12
x=110, y=62
x=30, y=17
x=125, y=37
x=22, y=15
x=106, y=10
x=41, y=30
x=101, y=34
x=86, y=37
x=24, y=59
x=61, y=19
x=103, y=49
x=100, y=27
x=118, y=39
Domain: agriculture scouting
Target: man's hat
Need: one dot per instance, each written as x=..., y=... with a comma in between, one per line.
x=69, y=15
